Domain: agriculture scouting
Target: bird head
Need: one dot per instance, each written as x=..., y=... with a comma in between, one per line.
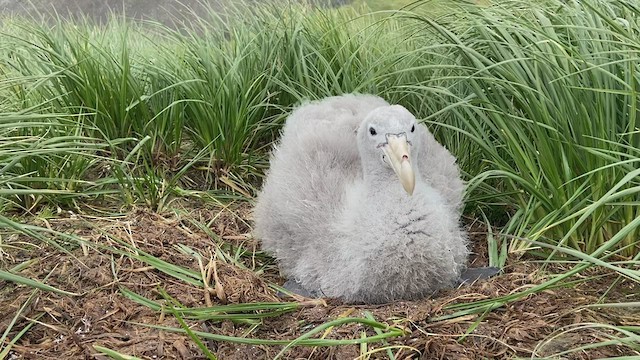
x=387, y=136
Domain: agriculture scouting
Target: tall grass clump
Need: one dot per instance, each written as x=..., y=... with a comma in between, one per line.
x=85, y=69
x=547, y=93
x=202, y=103
x=239, y=72
x=45, y=159
x=223, y=78
x=330, y=53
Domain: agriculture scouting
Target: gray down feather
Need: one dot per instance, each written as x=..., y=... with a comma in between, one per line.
x=336, y=217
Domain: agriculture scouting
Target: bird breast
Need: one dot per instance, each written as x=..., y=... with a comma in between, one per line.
x=372, y=218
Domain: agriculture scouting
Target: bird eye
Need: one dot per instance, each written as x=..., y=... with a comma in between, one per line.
x=372, y=131
x=413, y=128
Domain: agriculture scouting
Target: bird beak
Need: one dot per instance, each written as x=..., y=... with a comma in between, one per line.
x=397, y=151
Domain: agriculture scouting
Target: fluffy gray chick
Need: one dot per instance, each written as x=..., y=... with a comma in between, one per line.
x=361, y=203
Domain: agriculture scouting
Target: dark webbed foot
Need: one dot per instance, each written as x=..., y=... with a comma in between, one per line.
x=470, y=275
x=296, y=288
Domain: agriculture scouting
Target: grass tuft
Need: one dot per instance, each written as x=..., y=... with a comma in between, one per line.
x=546, y=94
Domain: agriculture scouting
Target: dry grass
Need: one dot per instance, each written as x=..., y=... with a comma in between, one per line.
x=70, y=326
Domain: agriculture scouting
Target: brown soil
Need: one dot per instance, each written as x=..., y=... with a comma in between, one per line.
x=69, y=326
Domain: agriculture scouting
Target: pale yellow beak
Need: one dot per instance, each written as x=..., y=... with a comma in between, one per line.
x=398, y=156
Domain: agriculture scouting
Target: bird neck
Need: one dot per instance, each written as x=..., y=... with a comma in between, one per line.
x=384, y=186
x=380, y=179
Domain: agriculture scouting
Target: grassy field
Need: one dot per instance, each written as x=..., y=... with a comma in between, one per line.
x=130, y=155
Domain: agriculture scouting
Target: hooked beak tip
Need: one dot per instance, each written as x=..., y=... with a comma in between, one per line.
x=398, y=153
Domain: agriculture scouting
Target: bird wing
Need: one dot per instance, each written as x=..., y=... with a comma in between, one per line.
x=438, y=168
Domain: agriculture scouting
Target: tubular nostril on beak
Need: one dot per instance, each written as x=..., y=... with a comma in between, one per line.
x=391, y=135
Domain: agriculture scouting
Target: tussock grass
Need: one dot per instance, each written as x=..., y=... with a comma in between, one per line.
x=47, y=159
x=208, y=97
x=546, y=93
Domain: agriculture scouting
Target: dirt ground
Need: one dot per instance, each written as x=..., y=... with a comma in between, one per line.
x=69, y=326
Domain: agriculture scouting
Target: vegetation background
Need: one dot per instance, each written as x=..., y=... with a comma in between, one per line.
x=163, y=11
x=130, y=154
